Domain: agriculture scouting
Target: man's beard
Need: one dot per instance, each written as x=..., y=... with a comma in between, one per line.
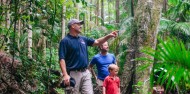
x=103, y=50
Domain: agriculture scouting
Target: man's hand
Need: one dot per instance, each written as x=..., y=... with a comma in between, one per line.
x=66, y=80
x=101, y=40
x=114, y=33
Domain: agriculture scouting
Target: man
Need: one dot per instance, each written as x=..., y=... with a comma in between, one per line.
x=102, y=61
x=73, y=56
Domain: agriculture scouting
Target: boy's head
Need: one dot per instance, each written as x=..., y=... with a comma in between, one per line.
x=113, y=69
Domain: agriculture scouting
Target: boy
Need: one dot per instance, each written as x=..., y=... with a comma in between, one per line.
x=111, y=83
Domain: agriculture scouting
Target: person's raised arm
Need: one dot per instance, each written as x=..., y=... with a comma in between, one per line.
x=66, y=77
x=105, y=38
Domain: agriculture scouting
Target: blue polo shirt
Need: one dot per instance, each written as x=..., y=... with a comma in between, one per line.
x=74, y=51
x=102, y=62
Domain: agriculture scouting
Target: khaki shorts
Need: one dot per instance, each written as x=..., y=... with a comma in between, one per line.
x=83, y=83
x=99, y=88
x=99, y=82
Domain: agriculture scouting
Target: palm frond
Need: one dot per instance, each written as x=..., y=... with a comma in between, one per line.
x=169, y=25
x=165, y=24
x=182, y=27
x=173, y=62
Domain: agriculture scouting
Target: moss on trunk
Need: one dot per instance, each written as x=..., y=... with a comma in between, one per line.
x=146, y=22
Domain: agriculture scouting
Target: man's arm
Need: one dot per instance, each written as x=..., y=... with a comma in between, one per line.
x=66, y=77
x=92, y=71
x=105, y=38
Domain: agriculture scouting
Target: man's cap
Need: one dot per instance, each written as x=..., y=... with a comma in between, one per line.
x=74, y=21
x=72, y=83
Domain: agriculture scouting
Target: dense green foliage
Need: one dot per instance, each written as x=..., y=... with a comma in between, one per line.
x=171, y=58
x=171, y=68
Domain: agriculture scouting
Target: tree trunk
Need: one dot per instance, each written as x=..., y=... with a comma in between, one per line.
x=97, y=12
x=145, y=27
x=102, y=12
x=7, y=23
x=43, y=46
x=77, y=9
x=29, y=29
x=29, y=41
x=132, y=8
x=84, y=25
x=117, y=12
x=90, y=17
x=19, y=31
x=63, y=21
x=165, y=5
x=91, y=11
x=109, y=13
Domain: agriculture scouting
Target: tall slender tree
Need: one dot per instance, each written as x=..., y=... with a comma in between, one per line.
x=63, y=20
x=109, y=12
x=97, y=12
x=102, y=12
x=77, y=9
x=19, y=30
x=165, y=5
x=117, y=12
x=6, y=3
x=29, y=30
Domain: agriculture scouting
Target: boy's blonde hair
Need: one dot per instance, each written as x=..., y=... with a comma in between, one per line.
x=112, y=66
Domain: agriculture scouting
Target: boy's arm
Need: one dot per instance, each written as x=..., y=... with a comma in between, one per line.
x=104, y=90
x=118, y=90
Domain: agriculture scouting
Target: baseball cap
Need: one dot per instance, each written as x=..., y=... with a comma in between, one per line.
x=72, y=83
x=74, y=21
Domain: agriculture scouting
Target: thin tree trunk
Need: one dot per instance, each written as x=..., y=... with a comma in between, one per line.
x=132, y=8
x=29, y=41
x=102, y=12
x=90, y=17
x=117, y=12
x=87, y=20
x=91, y=11
x=165, y=5
x=7, y=23
x=84, y=25
x=77, y=9
x=97, y=12
x=29, y=36
x=43, y=46
x=109, y=13
x=19, y=32
x=63, y=21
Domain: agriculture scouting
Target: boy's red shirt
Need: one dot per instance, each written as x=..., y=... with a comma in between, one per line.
x=112, y=85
